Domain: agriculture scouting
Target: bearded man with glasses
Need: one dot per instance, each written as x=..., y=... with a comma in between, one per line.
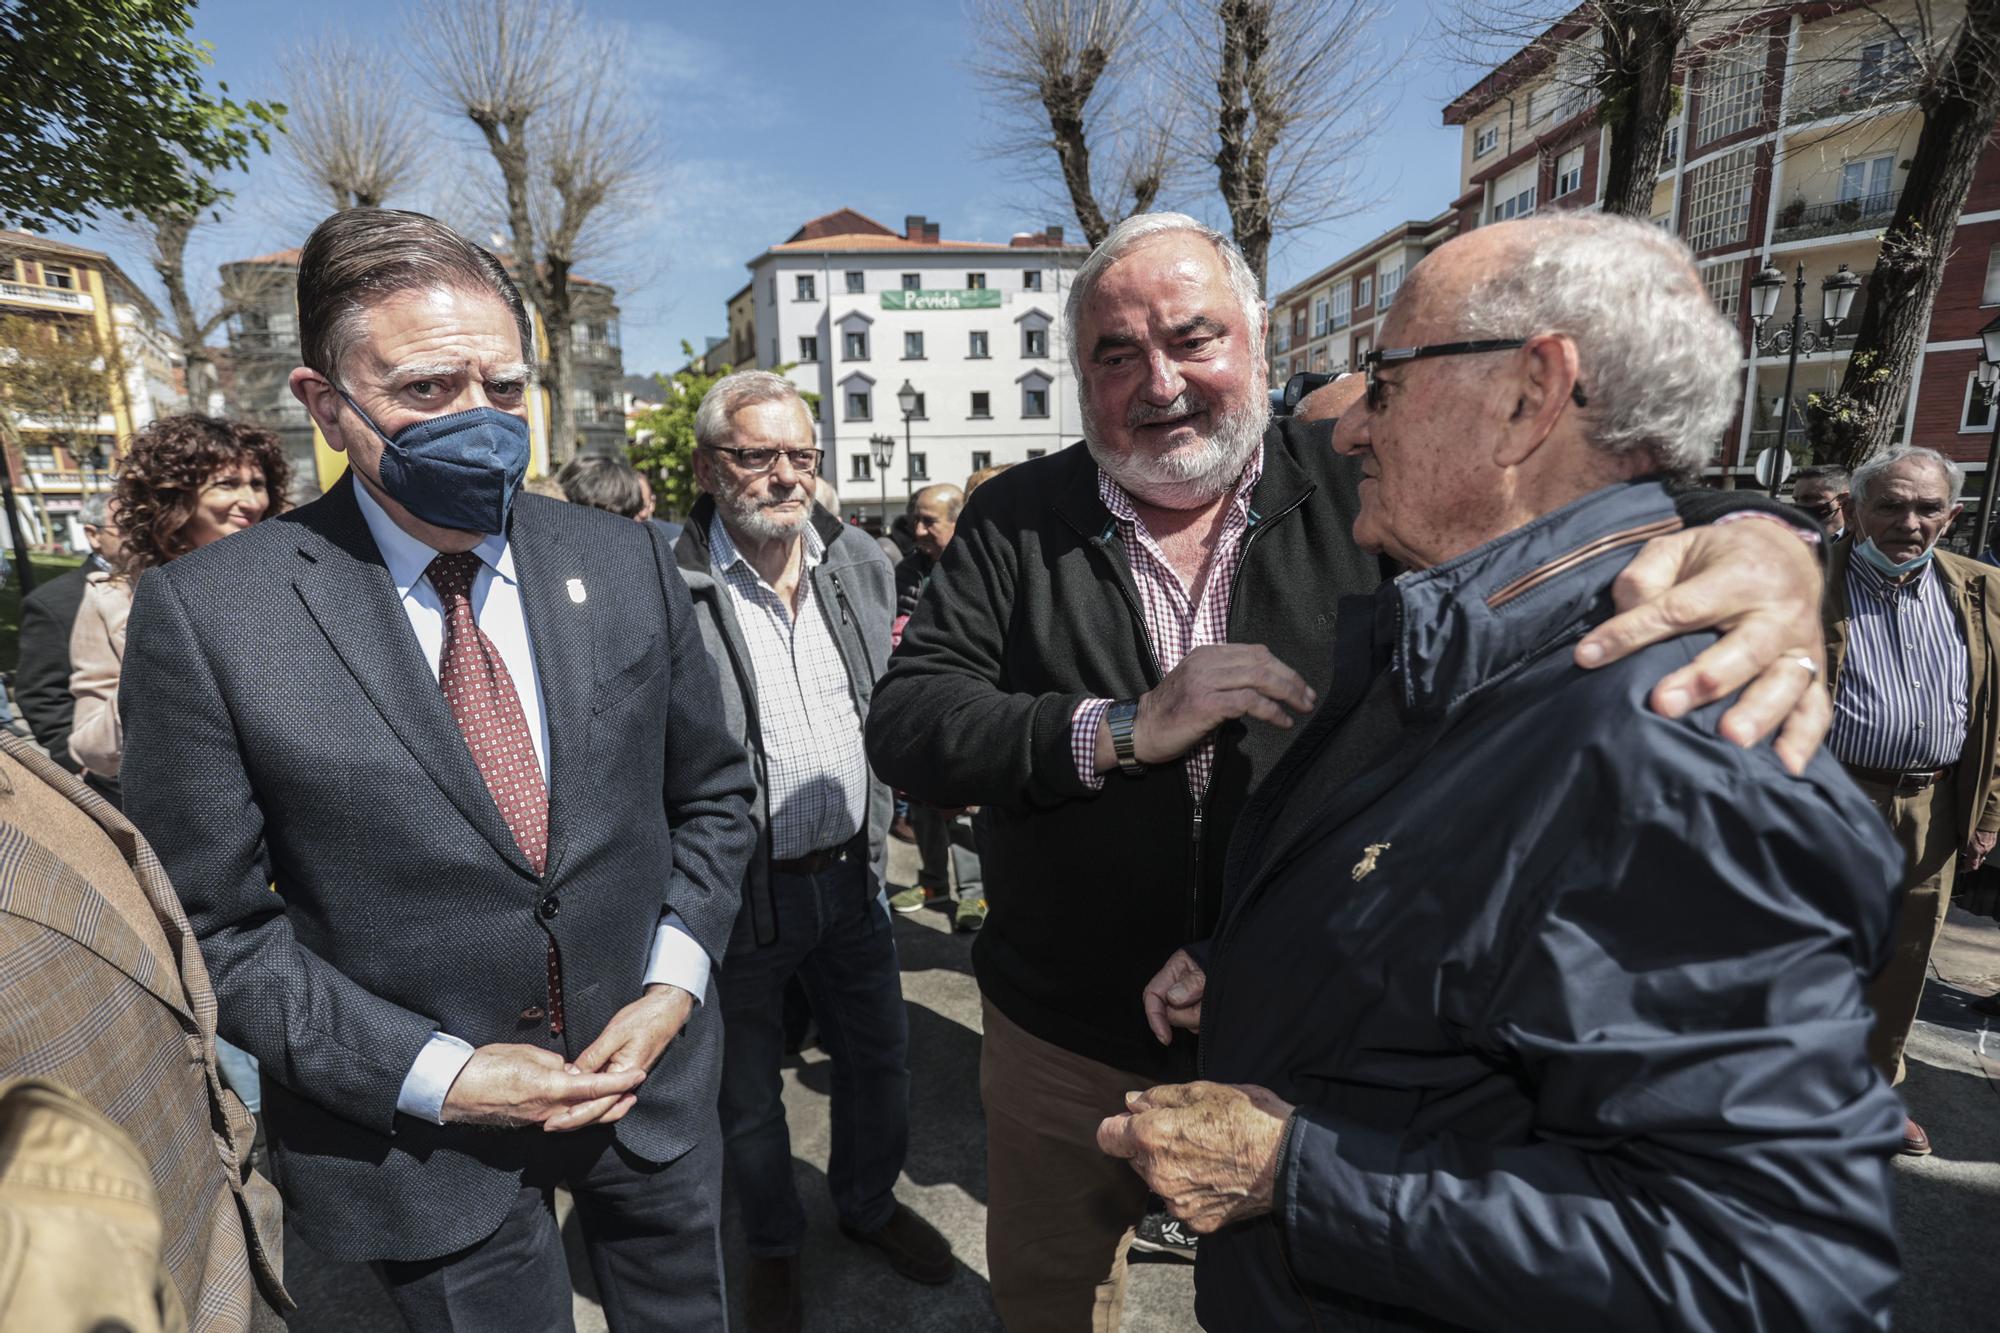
x=795, y=608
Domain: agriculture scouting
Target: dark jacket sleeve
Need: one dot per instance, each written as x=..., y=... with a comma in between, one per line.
x=41, y=682
x=945, y=726
x=1710, y=1148
x=1698, y=505
x=708, y=788
x=186, y=788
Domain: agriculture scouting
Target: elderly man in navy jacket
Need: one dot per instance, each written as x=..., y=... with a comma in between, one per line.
x=1552, y=1016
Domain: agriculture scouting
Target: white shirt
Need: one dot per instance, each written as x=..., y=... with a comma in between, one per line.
x=496, y=608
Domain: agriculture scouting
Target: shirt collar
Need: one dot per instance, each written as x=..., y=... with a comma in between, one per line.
x=1882, y=585
x=722, y=552
x=1120, y=504
x=408, y=558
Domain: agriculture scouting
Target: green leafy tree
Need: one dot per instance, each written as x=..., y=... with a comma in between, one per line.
x=104, y=107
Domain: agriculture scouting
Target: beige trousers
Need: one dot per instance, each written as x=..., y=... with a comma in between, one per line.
x=1926, y=824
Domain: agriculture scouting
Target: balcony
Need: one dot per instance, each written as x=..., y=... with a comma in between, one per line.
x=1849, y=89
x=46, y=298
x=594, y=353
x=1798, y=221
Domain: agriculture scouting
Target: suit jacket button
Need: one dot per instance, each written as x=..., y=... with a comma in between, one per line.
x=550, y=906
x=532, y=1014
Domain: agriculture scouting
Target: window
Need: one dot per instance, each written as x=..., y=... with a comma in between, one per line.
x=854, y=344
x=1670, y=148
x=979, y=349
x=858, y=407
x=1485, y=139
x=920, y=468
x=808, y=349
x=1569, y=172
x=1034, y=399
x=772, y=288
x=59, y=275
x=806, y=287
x=1725, y=286
x=1031, y=281
x=982, y=459
x=860, y=467
x=40, y=459
x=1034, y=342
x=1719, y=211
x=1514, y=195
x=1541, y=102
x=982, y=404
x=1978, y=412
x=975, y=282
x=1386, y=288
x=1319, y=317
x=1365, y=293
x=1865, y=180
x=1037, y=453
x=1991, y=295
x=1884, y=67
x=1343, y=306
x=913, y=346
x=1732, y=90
x=917, y=412
x=856, y=281
x=913, y=282
x=1299, y=323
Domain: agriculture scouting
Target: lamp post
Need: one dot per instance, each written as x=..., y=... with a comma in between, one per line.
x=1989, y=384
x=883, y=449
x=1836, y=299
x=906, y=398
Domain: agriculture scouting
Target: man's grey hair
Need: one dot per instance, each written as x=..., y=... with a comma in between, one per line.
x=96, y=511
x=731, y=394
x=1658, y=363
x=1875, y=468
x=1143, y=226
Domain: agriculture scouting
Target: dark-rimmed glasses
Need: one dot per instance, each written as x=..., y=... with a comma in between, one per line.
x=1375, y=360
x=804, y=461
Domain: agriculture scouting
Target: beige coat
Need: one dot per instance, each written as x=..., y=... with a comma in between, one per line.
x=97, y=656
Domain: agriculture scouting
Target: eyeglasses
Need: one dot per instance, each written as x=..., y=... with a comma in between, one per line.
x=1373, y=362
x=803, y=461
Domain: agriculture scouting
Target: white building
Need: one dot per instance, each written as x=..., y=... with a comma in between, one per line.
x=856, y=311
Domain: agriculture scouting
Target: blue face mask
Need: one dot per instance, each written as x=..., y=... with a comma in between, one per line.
x=1869, y=551
x=459, y=471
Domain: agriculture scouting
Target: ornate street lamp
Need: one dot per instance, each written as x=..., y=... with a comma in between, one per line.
x=1836, y=294
x=883, y=449
x=1989, y=385
x=906, y=398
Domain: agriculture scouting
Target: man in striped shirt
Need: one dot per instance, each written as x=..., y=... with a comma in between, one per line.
x=1913, y=639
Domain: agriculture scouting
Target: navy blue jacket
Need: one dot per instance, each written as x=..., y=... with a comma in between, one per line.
x=1568, y=994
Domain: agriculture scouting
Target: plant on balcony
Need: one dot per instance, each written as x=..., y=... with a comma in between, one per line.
x=1848, y=210
x=1792, y=214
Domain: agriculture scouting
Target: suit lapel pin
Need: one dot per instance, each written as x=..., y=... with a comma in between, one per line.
x=576, y=593
x=1369, y=856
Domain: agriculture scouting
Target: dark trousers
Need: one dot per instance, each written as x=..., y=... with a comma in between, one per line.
x=650, y=1231
x=942, y=838
x=834, y=934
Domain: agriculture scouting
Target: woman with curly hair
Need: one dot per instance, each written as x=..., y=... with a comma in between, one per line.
x=185, y=481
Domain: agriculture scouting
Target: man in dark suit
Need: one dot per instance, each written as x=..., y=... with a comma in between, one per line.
x=473, y=741
x=41, y=682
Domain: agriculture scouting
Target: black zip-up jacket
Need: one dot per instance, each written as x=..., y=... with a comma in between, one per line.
x=1031, y=611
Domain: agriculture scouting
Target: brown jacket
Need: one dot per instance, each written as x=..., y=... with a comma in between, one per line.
x=103, y=990
x=97, y=659
x=1975, y=591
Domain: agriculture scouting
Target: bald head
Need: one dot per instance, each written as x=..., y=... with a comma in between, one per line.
x=934, y=517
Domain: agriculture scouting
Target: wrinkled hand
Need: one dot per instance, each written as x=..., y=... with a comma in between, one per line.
x=635, y=1039
x=1210, y=686
x=1173, y=997
x=1760, y=586
x=511, y=1084
x=1977, y=849
x=1210, y=1150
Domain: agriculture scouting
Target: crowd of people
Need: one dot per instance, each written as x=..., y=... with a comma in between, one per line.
x=1397, y=838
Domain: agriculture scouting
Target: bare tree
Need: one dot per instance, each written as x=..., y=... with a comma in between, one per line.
x=164, y=236
x=1068, y=78
x=353, y=131
x=1286, y=94
x=546, y=91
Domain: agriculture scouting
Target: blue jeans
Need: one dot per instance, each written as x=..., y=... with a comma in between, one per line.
x=834, y=932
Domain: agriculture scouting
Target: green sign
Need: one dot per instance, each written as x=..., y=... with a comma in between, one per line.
x=977, y=299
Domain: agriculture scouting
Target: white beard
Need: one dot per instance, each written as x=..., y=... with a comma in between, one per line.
x=757, y=520
x=1186, y=478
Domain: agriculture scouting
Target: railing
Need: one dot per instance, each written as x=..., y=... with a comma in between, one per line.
x=589, y=351
x=1850, y=89
x=1842, y=215
x=35, y=294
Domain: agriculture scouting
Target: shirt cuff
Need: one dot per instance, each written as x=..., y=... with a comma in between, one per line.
x=1083, y=740
x=676, y=959
x=1809, y=537
x=431, y=1075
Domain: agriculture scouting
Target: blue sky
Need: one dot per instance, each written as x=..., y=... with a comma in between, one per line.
x=770, y=113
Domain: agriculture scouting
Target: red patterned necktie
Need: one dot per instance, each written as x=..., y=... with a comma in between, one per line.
x=481, y=693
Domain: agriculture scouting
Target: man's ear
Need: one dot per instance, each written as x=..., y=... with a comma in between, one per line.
x=1549, y=370
x=316, y=393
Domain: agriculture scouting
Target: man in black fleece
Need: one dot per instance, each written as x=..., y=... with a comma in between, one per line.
x=1111, y=655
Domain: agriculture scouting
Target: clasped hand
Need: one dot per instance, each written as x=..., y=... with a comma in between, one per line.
x=509, y=1084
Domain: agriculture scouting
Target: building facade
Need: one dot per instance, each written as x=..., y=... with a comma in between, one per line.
x=69, y=294
x=1792, y=140
x=1326, y=323
x=855, y=311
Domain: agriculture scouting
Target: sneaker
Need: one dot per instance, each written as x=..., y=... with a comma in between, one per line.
x=910, y=900
x=1163, y=1233
x=912, y=1246
x=971, y=915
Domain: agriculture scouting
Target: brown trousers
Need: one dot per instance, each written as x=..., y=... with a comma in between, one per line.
x=1059, y=1213
x=1926, y=824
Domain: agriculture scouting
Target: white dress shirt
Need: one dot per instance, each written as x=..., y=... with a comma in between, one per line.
x=496, y=607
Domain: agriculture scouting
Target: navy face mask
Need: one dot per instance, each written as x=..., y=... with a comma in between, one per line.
x=459, y=471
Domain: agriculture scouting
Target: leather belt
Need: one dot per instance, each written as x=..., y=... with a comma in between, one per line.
x=814, y=862
x=1902, y=782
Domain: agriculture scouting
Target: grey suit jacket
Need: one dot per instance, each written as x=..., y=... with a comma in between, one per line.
x=292, y=738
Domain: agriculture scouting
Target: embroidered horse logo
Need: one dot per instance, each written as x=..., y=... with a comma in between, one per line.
x=1369, y=856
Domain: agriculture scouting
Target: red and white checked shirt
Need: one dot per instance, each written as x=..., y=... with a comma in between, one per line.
x=1176, y=622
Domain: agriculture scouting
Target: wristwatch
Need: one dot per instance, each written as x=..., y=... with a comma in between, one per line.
x=1120, y=717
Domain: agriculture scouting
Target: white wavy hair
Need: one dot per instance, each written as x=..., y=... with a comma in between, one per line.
x=1657, y=361
x=1872, y=471
x=1143, y=226
x=713, y=420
